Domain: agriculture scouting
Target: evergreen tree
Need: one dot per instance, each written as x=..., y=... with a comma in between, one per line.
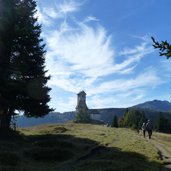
x=24, y=56
x=162, y=123
x=115, y=122
x=82, y=116
x=134, y=119
x=126, y=111
x=164, y=47
x=7, y=27
x=158, y=121
x=121, y=122
x=142, y=119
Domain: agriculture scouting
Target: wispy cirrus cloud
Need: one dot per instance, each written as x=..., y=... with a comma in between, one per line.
x=87, y=52
x=82, y=56
x=139, y=50
x=90, y=18
x=59, y=10
x=42, y=18
x=69, y=6
x=67, y=104
x=115, y=99
x=144, y=80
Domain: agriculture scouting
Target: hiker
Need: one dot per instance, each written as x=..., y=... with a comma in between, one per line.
x=149, y=128
x=143, y=128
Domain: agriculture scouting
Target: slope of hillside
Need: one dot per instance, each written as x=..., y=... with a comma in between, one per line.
x=107, y=114
x=78, y=147
x=156, y=105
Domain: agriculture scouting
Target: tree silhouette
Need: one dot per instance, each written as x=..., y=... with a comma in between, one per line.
x=22, y=62
x=164, y=47
x=82, y=116
x=134, y=118
x=115, y=122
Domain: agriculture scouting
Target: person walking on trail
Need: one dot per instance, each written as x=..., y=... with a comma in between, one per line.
x=149, y=128
x=143, y=128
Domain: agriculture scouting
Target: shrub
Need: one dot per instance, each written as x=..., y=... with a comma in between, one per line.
x=59, y=130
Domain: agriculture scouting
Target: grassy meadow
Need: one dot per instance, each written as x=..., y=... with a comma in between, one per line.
x=80, y=147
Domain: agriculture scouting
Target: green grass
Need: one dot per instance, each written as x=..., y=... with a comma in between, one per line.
x=163, y=138
x=79, y=147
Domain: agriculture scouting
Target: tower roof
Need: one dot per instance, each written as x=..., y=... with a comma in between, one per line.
x=81, y=92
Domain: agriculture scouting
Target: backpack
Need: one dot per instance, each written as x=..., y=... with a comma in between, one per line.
x=149, y=126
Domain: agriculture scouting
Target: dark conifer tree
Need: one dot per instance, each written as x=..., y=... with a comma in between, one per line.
x=142, y=119
x=163, y=46
x=115, y=122
x=162, y=123
x=134, y=118
x=26, y=64
x=82, y=116
x=121, y=122
x=7, y=27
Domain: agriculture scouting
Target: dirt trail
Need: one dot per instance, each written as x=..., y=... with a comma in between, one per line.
x=165, y=154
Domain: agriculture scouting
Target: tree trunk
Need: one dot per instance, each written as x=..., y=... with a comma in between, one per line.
x=5, y=120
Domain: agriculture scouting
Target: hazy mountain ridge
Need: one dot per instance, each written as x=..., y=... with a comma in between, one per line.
x=151, y=108
x=156, y=105
x=54, y=117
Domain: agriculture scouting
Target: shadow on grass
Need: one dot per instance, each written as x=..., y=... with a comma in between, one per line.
x=66, y=153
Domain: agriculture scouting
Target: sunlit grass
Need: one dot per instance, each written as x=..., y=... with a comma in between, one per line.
x=164, y=138
x=81, y=147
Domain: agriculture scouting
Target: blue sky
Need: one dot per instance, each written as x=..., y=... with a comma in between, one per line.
x=104, y=48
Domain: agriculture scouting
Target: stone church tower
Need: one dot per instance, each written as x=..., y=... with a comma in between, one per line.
x=81, y=101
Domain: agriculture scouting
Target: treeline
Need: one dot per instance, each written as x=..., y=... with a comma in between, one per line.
x=134, y=118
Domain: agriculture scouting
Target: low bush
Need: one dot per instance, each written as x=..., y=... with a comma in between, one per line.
x=59, y=130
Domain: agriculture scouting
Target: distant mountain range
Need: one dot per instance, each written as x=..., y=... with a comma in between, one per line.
x=156, y=105
x=54, y=117
x=151, y=108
